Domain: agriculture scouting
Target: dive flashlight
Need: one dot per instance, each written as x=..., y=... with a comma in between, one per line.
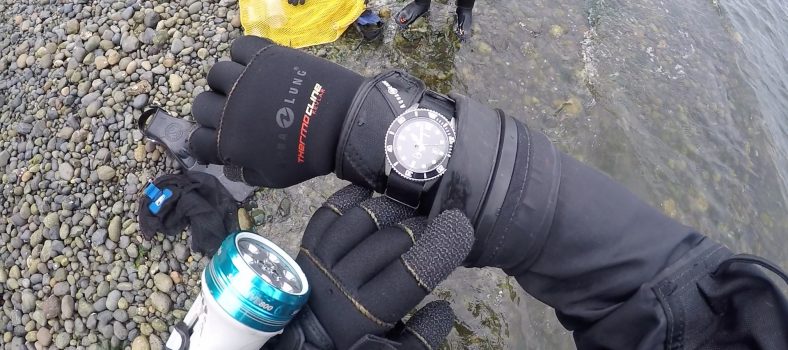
x=250, y=290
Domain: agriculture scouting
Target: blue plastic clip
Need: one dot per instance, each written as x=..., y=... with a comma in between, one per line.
x=158, y=196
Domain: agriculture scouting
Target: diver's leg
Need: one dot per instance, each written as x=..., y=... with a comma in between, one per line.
x=464, y=19
x=412, y=12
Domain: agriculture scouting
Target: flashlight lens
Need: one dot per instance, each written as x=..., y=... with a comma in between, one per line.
x=269, y=265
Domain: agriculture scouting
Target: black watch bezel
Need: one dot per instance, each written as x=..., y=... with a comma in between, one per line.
x=391, y=156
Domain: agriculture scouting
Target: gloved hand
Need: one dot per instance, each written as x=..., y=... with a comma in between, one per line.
x=274, y=114
x=277, y=116
x=369, y=262
x=296, y=2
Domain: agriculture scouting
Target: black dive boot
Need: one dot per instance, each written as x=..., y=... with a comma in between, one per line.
x=412, y=12
x=464, y=23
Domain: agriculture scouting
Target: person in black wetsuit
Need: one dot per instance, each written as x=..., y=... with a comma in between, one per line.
x=411, y=12
x=619, y=273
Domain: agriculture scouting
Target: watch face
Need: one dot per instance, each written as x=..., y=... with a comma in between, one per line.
x=419, y=144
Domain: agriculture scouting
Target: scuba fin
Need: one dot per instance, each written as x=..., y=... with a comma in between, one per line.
x=173, y=134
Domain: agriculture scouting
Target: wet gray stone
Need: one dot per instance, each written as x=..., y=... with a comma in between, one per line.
x=177, y=46
x=4, y=157
x=44, y=336
x=163, y=282
x=195, y=7
x=130, y=44
x=67, y=307
x=120, y=330
x=161, y=302
x=24, y=128
x=151, y=19
x=112, y=300
x=114, y=228
x=51, y=307
x=28, y=301
x=66, y=171
x=99, y=236
x=140, y=101
x=92, y=43
x=60, y=288
x=62, y=340
x=105, y=173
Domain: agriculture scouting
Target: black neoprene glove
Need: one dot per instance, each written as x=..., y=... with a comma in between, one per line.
x=369, y=262
x=296, y=2
x=274, y=114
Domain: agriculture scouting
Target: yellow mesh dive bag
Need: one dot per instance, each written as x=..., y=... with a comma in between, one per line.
x=315, y=22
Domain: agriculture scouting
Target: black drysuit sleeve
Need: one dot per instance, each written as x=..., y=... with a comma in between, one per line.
x=619, y=273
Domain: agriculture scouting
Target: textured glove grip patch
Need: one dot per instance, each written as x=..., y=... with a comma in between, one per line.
x=443, y=246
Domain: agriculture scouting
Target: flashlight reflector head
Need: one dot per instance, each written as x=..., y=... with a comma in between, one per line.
x=255, y=282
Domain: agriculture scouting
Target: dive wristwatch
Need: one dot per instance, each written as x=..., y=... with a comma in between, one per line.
x=418, y=147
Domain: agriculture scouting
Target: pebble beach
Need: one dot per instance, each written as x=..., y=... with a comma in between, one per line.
x=666, y=97
x=74, y=77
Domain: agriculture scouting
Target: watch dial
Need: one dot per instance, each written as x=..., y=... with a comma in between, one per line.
x=419, y=144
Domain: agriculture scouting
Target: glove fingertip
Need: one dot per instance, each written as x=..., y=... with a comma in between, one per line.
x=348, y=197
x=250, y=177
x=202, y=146
x=429, y=325
x=454, y=223
x=246, y=47
x=442, y=247
x=223, y=76
x=207, y=109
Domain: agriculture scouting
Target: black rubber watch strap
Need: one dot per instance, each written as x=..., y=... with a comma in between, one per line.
x=439, y=103
x=404, y=191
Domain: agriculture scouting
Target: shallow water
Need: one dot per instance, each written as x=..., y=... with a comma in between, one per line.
x=683, y=102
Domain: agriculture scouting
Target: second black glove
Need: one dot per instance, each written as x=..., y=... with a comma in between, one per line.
x=369, y=262
x=274, y=114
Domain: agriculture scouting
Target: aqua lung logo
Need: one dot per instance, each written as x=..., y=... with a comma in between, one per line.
x=284, y=117
x=394, y=92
